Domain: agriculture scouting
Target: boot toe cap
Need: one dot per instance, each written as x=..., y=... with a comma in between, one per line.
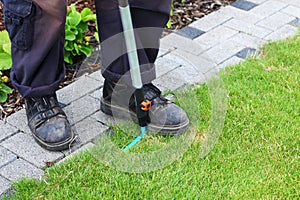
x=55, y=131
x=170, y=117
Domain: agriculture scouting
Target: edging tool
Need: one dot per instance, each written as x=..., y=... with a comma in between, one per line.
x=142, y=105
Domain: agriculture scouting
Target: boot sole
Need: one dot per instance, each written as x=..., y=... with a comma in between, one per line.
x=123, y=113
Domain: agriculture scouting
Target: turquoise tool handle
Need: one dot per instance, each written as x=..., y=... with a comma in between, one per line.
x=134, y=68
x=137, y=139
x=130, y=44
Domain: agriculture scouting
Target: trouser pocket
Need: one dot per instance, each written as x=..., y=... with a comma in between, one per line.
x=19, y=22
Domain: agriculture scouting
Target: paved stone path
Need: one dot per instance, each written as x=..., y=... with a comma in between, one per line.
x=222, y=38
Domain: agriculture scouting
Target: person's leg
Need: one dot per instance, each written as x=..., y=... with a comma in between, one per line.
x=36, y=30
x=37, y=34
x=165, y=116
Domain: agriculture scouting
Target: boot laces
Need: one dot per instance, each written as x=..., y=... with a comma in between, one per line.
x=153, y=93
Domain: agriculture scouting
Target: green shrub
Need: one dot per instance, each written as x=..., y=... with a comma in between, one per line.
x=5, y=64
x=5, y=51
x=76, y=43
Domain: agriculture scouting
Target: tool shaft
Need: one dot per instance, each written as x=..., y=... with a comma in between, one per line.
x=142, y=107
x=131, y=47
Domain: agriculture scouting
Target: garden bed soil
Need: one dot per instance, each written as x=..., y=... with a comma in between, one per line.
x=185, y=12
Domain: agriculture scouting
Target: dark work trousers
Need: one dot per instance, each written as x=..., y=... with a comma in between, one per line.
x=36, y=29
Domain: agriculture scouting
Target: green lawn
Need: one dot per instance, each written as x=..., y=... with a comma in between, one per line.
x=256, y=156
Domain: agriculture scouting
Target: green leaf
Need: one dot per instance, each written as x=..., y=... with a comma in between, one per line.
x=69, y=46
x=86, y=12
x=79, y=38
x=87, y=50
x=7, y=48
x=82, y=27
x=5, y=88
x=74, y=30
x=4, y=38
x=5, y=61
x=74, y=19
x=89, y=18
x=169, y=24
x=76, y=48
x=67, y=58
x=3, y=96
x=70, y=35
x=73, y=8
x=96, y=35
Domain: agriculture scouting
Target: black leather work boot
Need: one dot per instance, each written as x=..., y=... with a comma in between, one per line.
x=48, y=123
x=165, y=117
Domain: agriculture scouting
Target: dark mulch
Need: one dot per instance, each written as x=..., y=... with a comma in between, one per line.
x=185, y=12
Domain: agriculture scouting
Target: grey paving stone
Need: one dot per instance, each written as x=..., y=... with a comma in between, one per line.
x=268, y=8
x=200, y=63
x=179, y=42
x=165, y=65
x=19, y=120
x=6, y=157
x=211, y=21
x=244, y=5
x=282, y=33
x=163, y=52
x=25, y=147
x=212, y=74
x=183, y=75
x=105, y=119
x=6, y=130
x=190, y=32
x=79, y=88
x=231, y=61
x=223, y=51
x=168, y=82
x=97, y=94
x=241, y=15
x=88, y=129
x=71, y=154
x=276, y=21
x=21, y=169
x=188, y=74
x=5, y=185
x=290, y=2
x=215, y=36
x=248, y=28
x=81, y=108
x=246, y=52
x=292, y=10
x=247, y=40
x=296, y=22
x=97, y=76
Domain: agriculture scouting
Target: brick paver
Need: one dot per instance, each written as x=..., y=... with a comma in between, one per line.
x=25, y=147
x=6, y=130
x=19, y=120
x=81, y=108
x=78, y=89
x=6, y=156
x=20, y=168
x=5, y=185
x=190, y=56
x=215, y=36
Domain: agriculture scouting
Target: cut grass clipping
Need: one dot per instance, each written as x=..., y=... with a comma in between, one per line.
x=256, y=157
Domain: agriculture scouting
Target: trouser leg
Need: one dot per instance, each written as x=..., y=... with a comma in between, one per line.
x=36, y=29
x=114, y=63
